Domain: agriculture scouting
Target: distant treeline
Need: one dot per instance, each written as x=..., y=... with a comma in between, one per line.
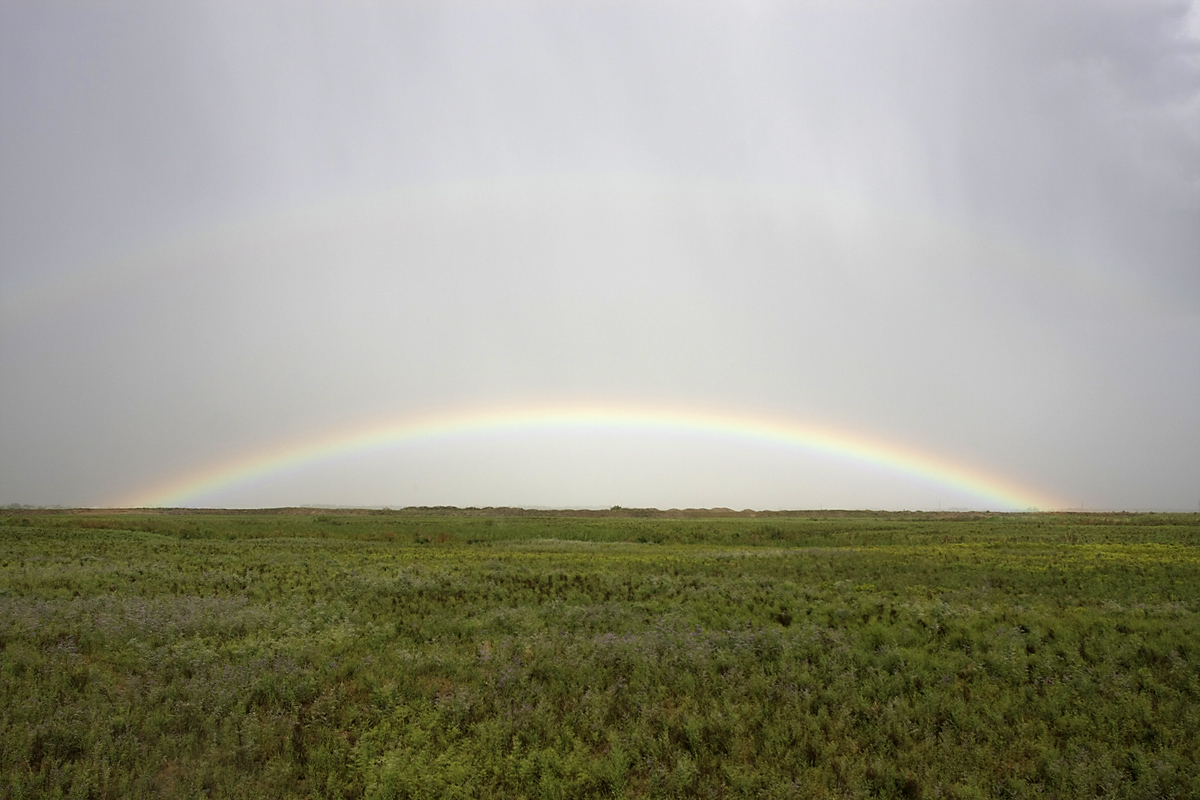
x=622, y=512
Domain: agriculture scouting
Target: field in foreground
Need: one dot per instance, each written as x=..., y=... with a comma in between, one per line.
x=396, y=654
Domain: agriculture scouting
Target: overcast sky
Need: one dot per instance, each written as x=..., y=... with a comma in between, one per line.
x=968, y=228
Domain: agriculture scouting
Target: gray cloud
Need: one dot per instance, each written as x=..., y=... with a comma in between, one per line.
x=972, y=228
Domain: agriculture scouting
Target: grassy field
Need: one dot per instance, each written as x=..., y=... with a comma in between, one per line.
x=488, y=654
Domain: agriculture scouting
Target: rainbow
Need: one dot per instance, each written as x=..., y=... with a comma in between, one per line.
x=989, y=490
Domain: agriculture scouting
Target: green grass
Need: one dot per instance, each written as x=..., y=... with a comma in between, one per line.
x=408, y=654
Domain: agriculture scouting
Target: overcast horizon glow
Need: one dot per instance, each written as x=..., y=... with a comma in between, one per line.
x=969, y=230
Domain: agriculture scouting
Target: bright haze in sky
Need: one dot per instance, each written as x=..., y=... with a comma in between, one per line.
x=249, y=250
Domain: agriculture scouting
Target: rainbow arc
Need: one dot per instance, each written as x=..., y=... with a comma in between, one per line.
x=989, y=490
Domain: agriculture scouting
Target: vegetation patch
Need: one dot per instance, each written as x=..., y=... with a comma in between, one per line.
x=503, y=654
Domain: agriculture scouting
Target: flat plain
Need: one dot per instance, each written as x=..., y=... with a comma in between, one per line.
x=429, y=653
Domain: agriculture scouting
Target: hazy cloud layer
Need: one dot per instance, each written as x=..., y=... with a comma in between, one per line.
x=972, y=228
